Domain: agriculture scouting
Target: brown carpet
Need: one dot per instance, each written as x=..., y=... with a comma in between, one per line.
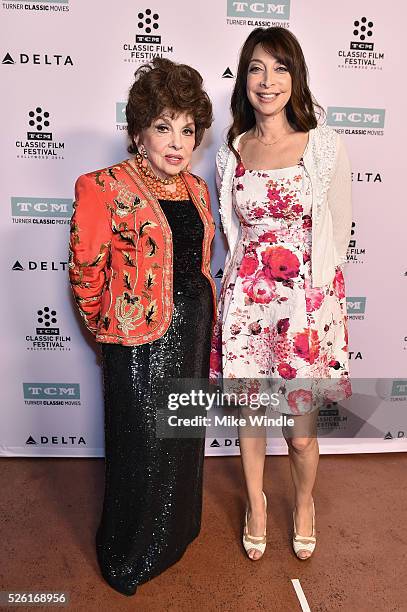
x=49, y=510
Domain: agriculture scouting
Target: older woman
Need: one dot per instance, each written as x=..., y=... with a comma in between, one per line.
x=139, y=268
x=285, y=202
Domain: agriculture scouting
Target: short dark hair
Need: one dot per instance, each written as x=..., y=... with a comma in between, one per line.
x=300, y=108
x=164, y=84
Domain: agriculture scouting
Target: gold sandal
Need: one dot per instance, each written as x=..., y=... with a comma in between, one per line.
x=306, y=543
x=256, y=542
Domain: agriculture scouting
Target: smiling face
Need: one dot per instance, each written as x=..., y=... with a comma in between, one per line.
x=268, y=84
x=169, y=142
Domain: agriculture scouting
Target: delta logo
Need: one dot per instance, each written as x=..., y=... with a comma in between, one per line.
x=36, y=59
x=55, y=440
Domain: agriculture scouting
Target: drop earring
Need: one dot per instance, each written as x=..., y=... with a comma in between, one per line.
x=143, y=157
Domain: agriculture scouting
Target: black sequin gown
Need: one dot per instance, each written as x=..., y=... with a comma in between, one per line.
x=153, y=487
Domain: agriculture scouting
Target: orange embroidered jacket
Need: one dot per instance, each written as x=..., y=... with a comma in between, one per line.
x=120, y=254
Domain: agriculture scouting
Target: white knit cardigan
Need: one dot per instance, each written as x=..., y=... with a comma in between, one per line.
x=327, y=165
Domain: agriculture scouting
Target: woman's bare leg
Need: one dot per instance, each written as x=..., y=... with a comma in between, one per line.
x=303, y=452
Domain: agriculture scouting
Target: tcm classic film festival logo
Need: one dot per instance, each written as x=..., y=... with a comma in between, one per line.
x=149, y=42
x=38, y=6
x=258, y=14
x=361, y=54
x=356, y=121
x=51, y=394
x=356, y=253
x=39, y=141
x=41, y=211
x=47, y=336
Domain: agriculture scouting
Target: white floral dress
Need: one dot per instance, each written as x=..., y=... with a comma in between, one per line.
x=275, y=325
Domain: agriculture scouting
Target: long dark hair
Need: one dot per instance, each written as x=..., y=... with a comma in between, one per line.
x=300, y=109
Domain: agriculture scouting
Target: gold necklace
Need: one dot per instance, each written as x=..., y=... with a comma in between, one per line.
x=270, y=144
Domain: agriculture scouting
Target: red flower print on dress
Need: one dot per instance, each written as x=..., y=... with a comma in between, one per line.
x=286, y=371
x=313, y=296
x=336, y=390
x=254, y=328
x=306, y=345
x=240, y=170
x=258, y=212
x=283, y=325
x=334, y=364
x=268, y=237
x=279, y=263
x=249, y=265
x=300, y=401
x=306, y=222
x=273, y=194
x=259, y=288
x=339, y=284
x=239, y=187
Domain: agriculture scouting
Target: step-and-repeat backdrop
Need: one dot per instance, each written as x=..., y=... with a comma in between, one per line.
x=66, y=66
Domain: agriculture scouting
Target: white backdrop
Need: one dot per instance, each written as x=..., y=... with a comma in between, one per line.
x=66, y=69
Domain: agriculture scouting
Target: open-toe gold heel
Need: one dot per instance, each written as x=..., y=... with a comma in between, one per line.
x=255, y=542
x=306, y=543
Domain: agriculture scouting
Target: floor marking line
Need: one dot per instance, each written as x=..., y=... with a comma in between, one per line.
x=300, y=594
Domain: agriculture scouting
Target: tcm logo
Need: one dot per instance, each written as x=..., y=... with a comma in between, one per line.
x=275, y=10
x=399, y=388
x=40, y=391
x=41, y=207
x=121, y=112
x=341, y=116
x=356, y=305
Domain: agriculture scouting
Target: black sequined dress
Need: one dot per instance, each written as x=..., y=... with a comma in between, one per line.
x=153, y=487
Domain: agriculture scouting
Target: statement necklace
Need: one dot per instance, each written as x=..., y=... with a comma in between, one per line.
x=158, y=186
